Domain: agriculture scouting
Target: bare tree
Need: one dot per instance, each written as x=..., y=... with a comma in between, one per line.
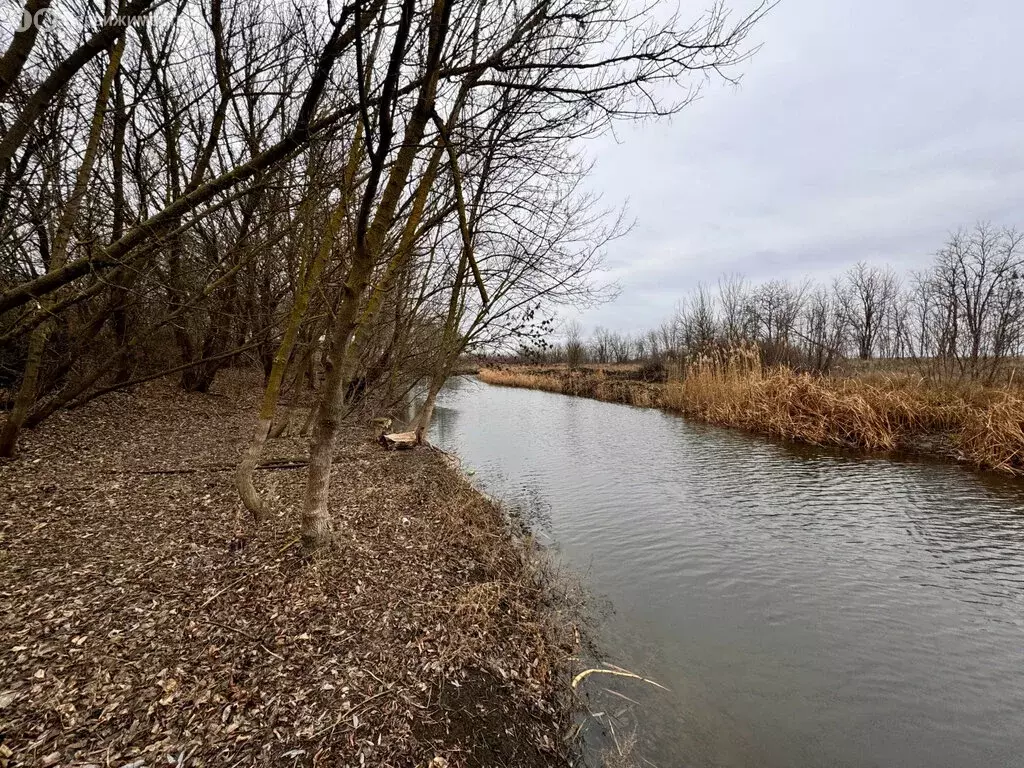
x=575, y=350
x=824, y=329
x=698, y=322
x=733, y=300
x=399, y=178
x=865, y=295
x=978, y=309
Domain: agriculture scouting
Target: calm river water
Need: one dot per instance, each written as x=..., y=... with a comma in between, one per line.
x=805, y=608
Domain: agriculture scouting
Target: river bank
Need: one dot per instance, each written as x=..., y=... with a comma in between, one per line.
x=146, y=622
x=972, y=424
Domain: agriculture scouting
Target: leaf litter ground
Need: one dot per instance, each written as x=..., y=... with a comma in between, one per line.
x=145, y=622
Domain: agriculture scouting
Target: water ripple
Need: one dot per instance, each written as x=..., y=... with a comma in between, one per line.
x=805, y=607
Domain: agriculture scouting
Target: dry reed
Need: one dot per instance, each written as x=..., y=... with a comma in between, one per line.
x=591, y=383
x=993, y=436
x=980, y=425
x=734, y=389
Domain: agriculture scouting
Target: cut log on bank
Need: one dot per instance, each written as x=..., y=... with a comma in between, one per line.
x=398, y=441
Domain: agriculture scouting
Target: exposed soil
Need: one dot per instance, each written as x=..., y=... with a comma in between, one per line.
x=143, y=621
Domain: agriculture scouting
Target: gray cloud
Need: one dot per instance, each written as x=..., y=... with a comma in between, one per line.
x=861, y=130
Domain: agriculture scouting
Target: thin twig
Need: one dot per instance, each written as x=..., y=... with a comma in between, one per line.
x=617, y=672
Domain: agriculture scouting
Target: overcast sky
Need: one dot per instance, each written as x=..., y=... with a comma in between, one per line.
x=862, y=130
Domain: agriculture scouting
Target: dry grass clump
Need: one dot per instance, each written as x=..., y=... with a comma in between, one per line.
x=524, y=379
x=993, y=435
x=734, y=389
x=592, y=383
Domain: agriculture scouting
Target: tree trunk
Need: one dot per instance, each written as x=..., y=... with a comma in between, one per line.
x=427, y=410
x=37, y=342
x=369, y=239
x=309, y=279
x=26, y=396
x=120, y=327
x=316, y=517
x=199, y=378
x=275, y=378
x=243, y=477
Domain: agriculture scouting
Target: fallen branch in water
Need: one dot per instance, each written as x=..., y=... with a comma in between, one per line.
x=618, y=672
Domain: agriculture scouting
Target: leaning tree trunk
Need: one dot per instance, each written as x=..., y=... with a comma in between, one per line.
x=308, y=282
x=309, y=279
x=254, y=450
x=451, y=344
x=316, y=518
x=370, y=237
x=427, y=410
x=26, y=396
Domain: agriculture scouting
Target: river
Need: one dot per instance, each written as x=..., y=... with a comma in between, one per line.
x=803, y=607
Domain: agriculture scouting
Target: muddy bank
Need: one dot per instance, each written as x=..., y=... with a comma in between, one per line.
x=145, y=621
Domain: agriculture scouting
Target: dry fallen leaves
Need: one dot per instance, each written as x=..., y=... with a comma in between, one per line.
x=138, y=630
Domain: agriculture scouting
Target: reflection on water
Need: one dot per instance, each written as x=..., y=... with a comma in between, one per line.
x=806, y=608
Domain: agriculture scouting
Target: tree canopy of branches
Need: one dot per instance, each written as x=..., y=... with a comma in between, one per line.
x=350, y=196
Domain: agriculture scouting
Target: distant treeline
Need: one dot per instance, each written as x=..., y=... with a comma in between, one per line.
x=963, y=315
